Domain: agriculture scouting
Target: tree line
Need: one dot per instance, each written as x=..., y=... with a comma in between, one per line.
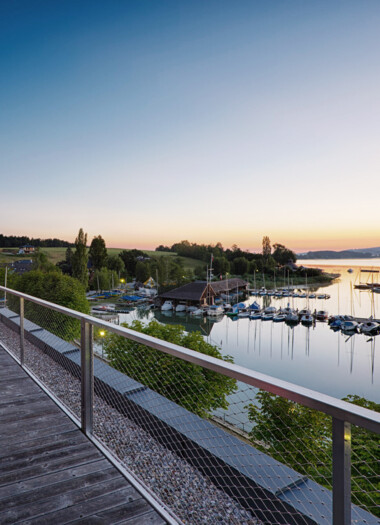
x=225, y=259
x=13, y=241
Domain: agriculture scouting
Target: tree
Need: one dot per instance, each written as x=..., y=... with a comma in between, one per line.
x=240, y=266
x=142, y=271
x=252, y=267
x=80, y=258
x=104, y=279
x=129, y=258
x=98, y=252
x=162, y=248
x=301, y=438
x=56, y=288
x=191, y=386
x=266, y=247
x=283, y=255
x=221, y=265
x=66, y=265
x=116, y=263
x=200, y=272
x=41, y=262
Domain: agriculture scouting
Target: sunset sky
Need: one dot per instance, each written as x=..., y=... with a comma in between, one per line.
x=149, y=122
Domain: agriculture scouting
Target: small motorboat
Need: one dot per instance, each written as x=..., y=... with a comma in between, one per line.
x=197, y=313
x=349, y=326
x=191, y=309
x=267, y=317
x=321, y=315
x=168, y=305
x=278, y=318
x=215, y=311
x=255, y=315
x=180, y=308
x=292, y=318
x=270, y=310
x=307, y=319
x=369, y=327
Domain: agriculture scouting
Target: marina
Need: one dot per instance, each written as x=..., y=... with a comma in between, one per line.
x=313, y=354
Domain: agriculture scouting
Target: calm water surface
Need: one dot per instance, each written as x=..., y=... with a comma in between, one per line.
x=314, y=357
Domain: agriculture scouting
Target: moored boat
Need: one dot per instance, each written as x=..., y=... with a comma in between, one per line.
x=307, y=319
x=180, y=307
x=255, y=315
x=278, y=318
x=349, y=325
x=168, y=305
x=215, y=311
x=369, y=327
x=321, y=315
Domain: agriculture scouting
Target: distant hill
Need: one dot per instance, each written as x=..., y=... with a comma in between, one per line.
x=367, y=253
x=374, y=251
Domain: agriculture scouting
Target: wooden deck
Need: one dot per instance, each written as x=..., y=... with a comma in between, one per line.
x=50, y=473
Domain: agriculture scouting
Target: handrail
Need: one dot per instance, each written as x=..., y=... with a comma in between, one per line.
x=334, y=407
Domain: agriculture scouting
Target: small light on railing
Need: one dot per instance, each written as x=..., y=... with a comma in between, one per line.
x=102, y=333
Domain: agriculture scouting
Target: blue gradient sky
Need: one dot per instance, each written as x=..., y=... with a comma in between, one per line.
x=152, y=122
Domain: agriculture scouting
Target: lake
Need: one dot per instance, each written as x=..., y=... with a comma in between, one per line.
x=315, y=357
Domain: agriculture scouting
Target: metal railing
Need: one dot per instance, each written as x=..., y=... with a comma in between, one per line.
x=94, y=390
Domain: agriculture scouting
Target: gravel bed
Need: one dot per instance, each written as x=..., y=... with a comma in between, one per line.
x=191, y=496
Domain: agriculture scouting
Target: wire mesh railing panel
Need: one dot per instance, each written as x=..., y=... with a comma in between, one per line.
x=9, y=330
x=163, y=428
x=52, y=352
x=365, y=470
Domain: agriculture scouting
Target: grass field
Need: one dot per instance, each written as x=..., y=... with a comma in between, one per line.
x=58, y=254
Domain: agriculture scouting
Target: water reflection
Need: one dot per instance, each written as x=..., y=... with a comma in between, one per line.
x=189, y=322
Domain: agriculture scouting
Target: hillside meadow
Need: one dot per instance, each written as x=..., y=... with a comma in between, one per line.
x=8, y=255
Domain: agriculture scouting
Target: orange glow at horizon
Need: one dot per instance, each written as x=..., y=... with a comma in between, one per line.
x=144, y=237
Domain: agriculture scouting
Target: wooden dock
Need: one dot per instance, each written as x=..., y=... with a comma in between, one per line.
x=50, y=473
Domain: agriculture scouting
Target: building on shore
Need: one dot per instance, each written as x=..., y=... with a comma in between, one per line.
x=198, y=293
x=201, y=293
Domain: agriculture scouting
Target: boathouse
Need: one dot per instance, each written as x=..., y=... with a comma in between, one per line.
x=229, y=286
x=198, y=293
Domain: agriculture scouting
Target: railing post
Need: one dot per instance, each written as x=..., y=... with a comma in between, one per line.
x=22, y=333
x=341, y=472
x=87, y=379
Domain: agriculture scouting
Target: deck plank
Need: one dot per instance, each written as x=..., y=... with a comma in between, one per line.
x=14, y=489
x=49, y=471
